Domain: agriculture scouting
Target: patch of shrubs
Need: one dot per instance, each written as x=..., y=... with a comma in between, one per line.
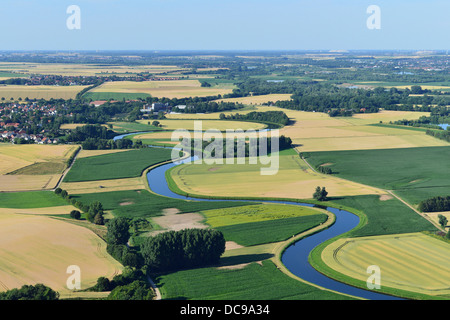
x=30, y=292
x=94, y=212
x=324, y=170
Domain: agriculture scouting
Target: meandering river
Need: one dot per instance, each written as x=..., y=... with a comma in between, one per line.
x=295, y=257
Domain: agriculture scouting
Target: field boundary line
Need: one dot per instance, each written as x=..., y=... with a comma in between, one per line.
x=68, y=168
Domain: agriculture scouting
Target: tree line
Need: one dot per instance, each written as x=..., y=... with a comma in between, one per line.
x=249, y=147
x=435, y=204
x=97, y=137
x=277, y=117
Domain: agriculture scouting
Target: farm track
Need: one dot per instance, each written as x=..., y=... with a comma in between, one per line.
x=68, y=169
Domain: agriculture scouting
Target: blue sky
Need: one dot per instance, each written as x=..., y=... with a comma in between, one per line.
x=224, y=25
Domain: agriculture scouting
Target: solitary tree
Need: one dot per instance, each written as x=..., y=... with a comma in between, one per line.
x=442, y=220
x=320, y=194
x=75, y=214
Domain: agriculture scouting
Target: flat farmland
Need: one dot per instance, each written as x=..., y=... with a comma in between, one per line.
x=118, y=165
x=258, y=100
x=263, y=223
x=315, y=131
x=32, y=167
x=294, y=179
x=414, y=262
x=103, y=185
x=68, y=69
x=160, y=89
x=248, y=283
x=27, y=200
x=15, y=156
x=39, y=92
x=255, y=213
x=413, y=173
x=220, y=125
x=39, y=249
x=319, y=132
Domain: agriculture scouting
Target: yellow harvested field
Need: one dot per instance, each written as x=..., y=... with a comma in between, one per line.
x=294, y=179
x=166, y=135
x=414, y=262
x=366, y=142
x=40, y=211
x=434, y=216
x=216, y=115
x=160, y=89
x=14, y=157
x=39, y=249
x=39, y=92
x=28, y=182
x=68, y=69
x=257, y=100
x=385, y=116
x=221, y=125
x=313, y=131
x=103, y=185
x=92, y=153
x=72, y=126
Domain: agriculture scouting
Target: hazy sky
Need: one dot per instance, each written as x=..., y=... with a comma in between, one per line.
x=224, y=25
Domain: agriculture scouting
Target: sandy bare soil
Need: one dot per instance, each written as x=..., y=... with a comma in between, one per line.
x=173, y=220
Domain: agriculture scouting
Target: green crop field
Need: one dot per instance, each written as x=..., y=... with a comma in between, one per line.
x=142, y=203
x=254, y=233
x=255, y=213
x=26, y=200
x=389, y=216
x=119, y=165
x=254, y=282
x=415, y=173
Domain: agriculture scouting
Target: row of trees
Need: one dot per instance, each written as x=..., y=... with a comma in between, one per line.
x=30, y=292
x=251, y=146
x=94, y=212
x=277, y=117
x=440, y=134
x=97, y=137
